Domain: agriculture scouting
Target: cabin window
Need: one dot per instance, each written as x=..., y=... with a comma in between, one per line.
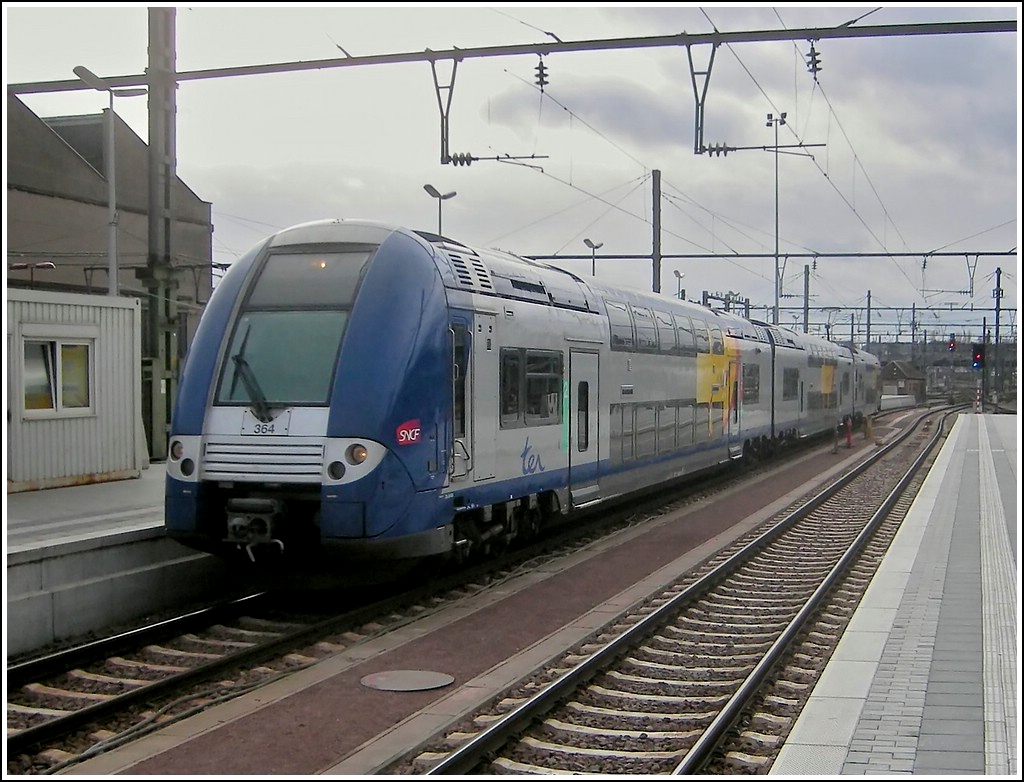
x=57, y=377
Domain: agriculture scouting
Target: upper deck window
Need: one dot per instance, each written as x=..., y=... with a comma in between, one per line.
x=310, y=278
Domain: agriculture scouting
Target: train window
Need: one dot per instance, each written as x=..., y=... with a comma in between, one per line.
x=845, y=387
x=621, y=325
x=459, y=366
x=511, y=374
x=684, y=435
x=646, y=431
x=790, y=384
x=717, y=342
x=282, y=357
x=583, y=416
x=621, y=433
x=531, y=387
x=666, y=332
x=684, y=335
x=751, y=383
x=717, y=420
x=646, y=331
x=543, y=387
x=667, y=427
x=615, y=434
x=311, y=279
x=627, y=432
x=700, y=336
x=701, y=423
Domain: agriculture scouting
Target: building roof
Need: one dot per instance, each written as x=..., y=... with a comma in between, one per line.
x=902, y=369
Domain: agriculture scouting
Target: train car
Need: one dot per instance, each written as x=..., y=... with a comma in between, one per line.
x=358, y=392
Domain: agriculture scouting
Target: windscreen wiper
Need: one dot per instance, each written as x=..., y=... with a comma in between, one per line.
x=242, y=370
x=259, y=400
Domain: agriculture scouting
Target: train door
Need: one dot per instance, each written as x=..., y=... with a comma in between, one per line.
x=584, y=440
x=732, y=384
x=474, y=395
x=462, y=421
x=484, y=396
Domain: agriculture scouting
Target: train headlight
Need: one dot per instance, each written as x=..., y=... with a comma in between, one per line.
x=184, y=452
x=356, y=454
x=350, y=459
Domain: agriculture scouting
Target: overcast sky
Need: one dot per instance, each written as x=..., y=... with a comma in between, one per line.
x=917, y=139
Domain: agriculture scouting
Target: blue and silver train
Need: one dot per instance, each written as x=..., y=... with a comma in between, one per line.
x=362, y=392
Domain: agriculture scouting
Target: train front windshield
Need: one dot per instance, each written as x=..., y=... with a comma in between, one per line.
x=284, y=347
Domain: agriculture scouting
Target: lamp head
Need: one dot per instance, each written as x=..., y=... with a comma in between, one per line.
x=90, y=78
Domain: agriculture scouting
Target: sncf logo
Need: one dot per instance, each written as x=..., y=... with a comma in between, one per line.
x=408, y=433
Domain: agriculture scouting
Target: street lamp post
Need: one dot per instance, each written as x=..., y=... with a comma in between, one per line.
x=94, y=81
x=679, y=283
x=776, y=121
x=19, y=266
x=433, y=191
x=593, y=255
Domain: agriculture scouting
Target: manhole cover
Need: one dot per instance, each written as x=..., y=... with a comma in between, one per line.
x=405, y=681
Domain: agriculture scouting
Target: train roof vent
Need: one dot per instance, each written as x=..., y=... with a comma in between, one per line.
x=471, y=272
x=779, y=336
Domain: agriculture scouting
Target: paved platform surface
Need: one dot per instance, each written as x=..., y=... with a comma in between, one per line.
x=50, y=517
x=925, y=680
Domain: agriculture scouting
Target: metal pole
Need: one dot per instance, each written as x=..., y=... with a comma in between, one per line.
x=775, y=316
x=807, y=296
x=997, y=375
x=112, y=286
x=656, y=229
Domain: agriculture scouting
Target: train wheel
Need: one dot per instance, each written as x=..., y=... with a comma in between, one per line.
x=530, y=524
x=750, y=457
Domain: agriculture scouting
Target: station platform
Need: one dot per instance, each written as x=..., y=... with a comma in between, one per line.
x=52, y=517
x=925, y=679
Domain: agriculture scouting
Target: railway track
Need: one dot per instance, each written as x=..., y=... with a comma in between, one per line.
x=708, y=676
x=84, y=701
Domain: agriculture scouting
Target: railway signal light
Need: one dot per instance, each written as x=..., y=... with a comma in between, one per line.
x=542, y=76
x=978, y=355
x=952, y=343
